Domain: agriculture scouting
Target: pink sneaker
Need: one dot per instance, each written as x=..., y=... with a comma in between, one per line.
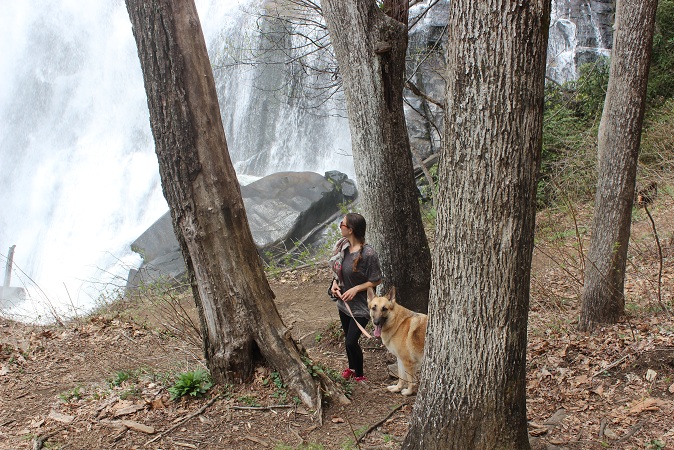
x=348, y=373
x=361, y=379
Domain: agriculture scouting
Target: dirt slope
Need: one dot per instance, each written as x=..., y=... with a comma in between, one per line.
x=63, y=387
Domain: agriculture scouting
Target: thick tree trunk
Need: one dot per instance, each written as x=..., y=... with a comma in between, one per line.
x=619, y=137
x=239, y=318
x=370, y=49
x=473, y=385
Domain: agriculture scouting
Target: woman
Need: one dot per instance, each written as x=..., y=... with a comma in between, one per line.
x=357, y=268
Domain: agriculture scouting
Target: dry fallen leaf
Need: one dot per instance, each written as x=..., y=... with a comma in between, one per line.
x=651, y=375
x=136, y=426
x=580, y=379
x=609, y=433
x=57, y=416
x=544, y=373
x=537, y=430
x=337, y=420
x=128, y=410
x=649, y=404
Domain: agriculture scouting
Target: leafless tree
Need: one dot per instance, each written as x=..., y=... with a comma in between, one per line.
x=473, y=382
x=241, y=325
x=619, y=137
x=370, y=45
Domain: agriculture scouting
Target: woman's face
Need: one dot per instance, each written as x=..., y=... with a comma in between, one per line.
x=344, y=227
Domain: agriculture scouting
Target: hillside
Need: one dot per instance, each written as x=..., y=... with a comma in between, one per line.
x=101, y=381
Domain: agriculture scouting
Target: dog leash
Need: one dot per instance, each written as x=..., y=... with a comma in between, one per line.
x=354, y=319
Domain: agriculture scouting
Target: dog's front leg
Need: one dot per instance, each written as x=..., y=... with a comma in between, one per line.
x=410, y=377
x=411, y=389
x=401, y=374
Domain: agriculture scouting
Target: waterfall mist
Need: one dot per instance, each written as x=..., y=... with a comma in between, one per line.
x=79, y=177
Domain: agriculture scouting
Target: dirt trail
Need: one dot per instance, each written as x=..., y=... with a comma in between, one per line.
x=611, y=389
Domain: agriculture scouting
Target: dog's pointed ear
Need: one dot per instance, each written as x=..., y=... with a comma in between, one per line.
x=392, y=294
x=370, y=294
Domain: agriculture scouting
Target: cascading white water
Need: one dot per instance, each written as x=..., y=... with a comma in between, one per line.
x=580, y=31
x=78, y=175
x=275, y=114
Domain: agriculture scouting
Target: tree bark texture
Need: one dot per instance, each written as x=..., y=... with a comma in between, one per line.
x=239, y=319
x=370, y=49
x=619, y=137
x=473, y=386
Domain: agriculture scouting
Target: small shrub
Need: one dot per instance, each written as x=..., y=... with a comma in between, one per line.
x=570, y=120
x=73, y=394
x=656, y=444
x=656, y=156
x=120, y=377
x=249, y=400
x=194, y=383
x=591, y=88
x=132, y=392
x=317, y=368
x=280, y=391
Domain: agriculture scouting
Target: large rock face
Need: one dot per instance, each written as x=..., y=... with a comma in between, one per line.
x=286, y=207
x=282, y=209
x=580, y=32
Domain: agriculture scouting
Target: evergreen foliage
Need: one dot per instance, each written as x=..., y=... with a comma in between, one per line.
x=573, y=112
x=661, y=75
x=571, y=117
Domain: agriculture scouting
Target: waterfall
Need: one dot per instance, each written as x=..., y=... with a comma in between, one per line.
x=79, y=177
x=580, y=32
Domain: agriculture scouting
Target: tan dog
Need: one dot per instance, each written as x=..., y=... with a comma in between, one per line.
x=403, y=332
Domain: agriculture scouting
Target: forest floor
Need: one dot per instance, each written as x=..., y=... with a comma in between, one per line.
x=101, y=381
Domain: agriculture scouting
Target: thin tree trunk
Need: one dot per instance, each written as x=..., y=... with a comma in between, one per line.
x=241, y=325
x=619, y=138
x=473, y=384
x=370, y=48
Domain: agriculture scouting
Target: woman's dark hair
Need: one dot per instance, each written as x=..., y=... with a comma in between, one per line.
x=357, y=224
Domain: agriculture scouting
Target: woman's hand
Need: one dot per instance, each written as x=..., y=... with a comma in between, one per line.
x=336, y=291
x=350, y=294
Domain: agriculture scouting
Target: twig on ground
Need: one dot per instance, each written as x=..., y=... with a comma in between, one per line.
x=111, y=401
x=263, y=443
x=119, y=435
x=632, y=431
x=657, y=241
x=353, y=432
x=262, y=408
x=610, y=366
x=380, y=422
x=39, y=441
x=602, y=427
x=194, y=414
x=290, y=428
x=184, y=444
x=304, y=336
x=319, y=404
